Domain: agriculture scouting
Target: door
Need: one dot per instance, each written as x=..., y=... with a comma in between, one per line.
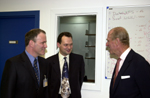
x=13, y=27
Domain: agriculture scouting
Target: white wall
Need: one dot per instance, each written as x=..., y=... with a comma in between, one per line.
x=45, y=23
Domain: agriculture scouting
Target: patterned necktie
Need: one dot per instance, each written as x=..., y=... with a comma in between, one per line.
x=36, y=71
x=116, y=71
x=65, y=87
x=65, y=69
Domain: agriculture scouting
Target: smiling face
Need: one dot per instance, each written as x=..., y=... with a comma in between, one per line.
x=66, y=45
x=39, y=45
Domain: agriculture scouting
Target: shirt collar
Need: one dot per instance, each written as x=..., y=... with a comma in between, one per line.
x=31, y=58
x=125, y=53
x=62, y=57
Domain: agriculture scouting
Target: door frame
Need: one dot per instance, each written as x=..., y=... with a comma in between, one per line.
x=17, y=14
x=35, y=14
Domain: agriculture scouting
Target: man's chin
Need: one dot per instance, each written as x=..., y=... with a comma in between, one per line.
x=111, y=53
x=68, y=53
x=43, y=53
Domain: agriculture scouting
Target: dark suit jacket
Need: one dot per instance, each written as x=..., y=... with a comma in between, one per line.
x=19, y=81
x=137, y=82
x=76, y=75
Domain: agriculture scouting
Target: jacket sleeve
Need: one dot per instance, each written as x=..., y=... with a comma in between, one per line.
x=142, y=78
x=8, y=80
x=82, y=72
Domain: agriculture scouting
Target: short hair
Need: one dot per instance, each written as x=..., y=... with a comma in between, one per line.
x=121, y=33
x=67, y=34
x=32, y=34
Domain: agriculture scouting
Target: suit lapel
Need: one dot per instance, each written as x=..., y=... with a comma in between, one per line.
x=123, y=68
x=27, y=64
x=56, y=64
x=41, y=66
x=71, y=65
x=112, y=89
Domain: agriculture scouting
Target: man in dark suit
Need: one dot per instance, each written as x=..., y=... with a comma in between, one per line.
x=76, y=68
x=19, y=79
x=133, y=77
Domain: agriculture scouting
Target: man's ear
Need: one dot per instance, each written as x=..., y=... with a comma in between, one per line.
x=58, y=44
x=117, y=41
x=31, y=43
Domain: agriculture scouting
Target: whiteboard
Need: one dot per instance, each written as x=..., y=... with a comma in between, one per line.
x=136, y=20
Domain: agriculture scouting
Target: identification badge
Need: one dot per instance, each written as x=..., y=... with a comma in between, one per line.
x=45, y=82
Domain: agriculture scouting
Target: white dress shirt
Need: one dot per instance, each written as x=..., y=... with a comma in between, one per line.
x=61, y=62
x=123, y=57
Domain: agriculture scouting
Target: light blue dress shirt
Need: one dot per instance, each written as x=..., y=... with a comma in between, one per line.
x=31, y=58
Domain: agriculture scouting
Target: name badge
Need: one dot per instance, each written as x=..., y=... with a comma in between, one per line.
x=45, y=81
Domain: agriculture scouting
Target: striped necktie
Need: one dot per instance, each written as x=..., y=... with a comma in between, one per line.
x=36, y=71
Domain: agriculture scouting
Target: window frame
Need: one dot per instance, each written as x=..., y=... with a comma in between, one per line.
x=99, y=59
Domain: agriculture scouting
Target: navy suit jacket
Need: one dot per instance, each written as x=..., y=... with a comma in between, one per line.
x=19, y=80
x=133, y=80
x=76, y=75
